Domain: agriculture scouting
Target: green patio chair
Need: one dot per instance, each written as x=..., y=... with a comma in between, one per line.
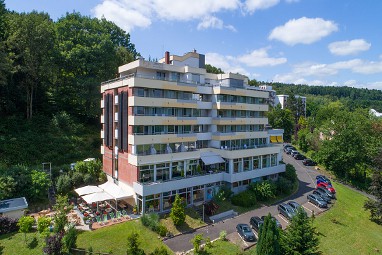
x=124, y=214
x=112, y=216
x=105, y=220
x=119, y=216
x=99, y=220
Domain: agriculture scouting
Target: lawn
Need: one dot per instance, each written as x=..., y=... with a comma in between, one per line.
x=227, y=248
x=114, y=238
x=346, y=228
x=13, y=243
x=192, y=221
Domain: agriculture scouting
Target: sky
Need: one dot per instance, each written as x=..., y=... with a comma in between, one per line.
x=314, y=42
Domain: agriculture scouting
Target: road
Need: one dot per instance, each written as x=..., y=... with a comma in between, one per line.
x=306, y=176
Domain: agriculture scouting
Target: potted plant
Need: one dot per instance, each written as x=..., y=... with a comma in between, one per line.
x=199, y=169
x=135, y=209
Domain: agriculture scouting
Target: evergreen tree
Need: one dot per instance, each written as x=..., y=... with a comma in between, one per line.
x=268, y=243
x=300, y=238
x=177, y=214
x=133, y=245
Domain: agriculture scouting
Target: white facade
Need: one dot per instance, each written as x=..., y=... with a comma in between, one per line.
x=189, y=132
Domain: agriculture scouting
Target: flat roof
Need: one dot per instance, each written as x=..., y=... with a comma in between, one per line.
x=13, y=204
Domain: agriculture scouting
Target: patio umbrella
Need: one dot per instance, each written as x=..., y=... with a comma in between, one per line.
x=88, y=190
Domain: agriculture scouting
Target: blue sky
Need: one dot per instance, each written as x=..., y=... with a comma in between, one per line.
x=316, y=42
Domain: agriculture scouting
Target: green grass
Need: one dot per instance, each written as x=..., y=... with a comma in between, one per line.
x=346, y=228
x=192, y=221
x=227, y=248
x=114, y=238
x=13, y=243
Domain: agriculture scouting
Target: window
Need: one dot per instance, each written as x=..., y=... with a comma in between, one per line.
x=247, y=164
x=163, y=171
x=138, y=92
x=146, y=173
x=265, y=161
x=236, y=165
x=177, y=169
x=139, y=110
x=255, y=163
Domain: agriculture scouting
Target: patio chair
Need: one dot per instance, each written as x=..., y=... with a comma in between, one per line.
x=124, y=214
x=105, y=220
x=99, y=220
x=112, y=216
x=119, y=216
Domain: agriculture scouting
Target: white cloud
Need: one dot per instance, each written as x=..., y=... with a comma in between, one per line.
x=260, y=58
x=292, y=1
x=303, y=30
x=127, y=18
x=226, y=63
x=254, y=5
x=130, y=14
x=210, y=22
x=352, y=47
x=214, y=22
x=350, y=83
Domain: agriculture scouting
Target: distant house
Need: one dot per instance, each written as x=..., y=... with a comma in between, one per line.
x=13, y=208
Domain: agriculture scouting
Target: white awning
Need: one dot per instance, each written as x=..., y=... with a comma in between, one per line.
x=87, y=190
x=97, y=197
x=212, y=159
x=115, y=191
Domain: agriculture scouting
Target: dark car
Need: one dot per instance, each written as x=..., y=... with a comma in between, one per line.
x=245, y=232
x=299, y=157
x=317, y=200
x=277, y=221
x=323, y=195
x=286, y=210
x=294, y=205
x=256, y=223
x=309, y=162
x=327, y=192
x=327, y=186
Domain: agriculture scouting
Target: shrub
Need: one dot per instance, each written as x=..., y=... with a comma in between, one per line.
x=178, y=214
x=263, y=190
x=151, y=221
x=245, y=199
x=89, y=179
x=8, y=225
x=77, y=179
x=290, y=173
x=224, y=193
x=196, y=242
x=133, y=245
x=53, y=244
x=283, y=186
x=160, y=251
x=64, y=184
x=223, y=235
x=43, y=224
x=162, y=230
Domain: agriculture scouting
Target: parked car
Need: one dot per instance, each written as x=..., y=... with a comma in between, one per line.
x=286, y=210
x=309, y=162
x=317, y=200
x=327, y=192
x=322, y=178
x=256, y=223
x=294, y=205
x=245, y=232
x=323, y=195
x=299, y=157
x=289, y=150
x=278, y=224
x=327, y=186
x=293, y=152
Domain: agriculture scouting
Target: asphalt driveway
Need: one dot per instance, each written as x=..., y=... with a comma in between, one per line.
x=306, y=175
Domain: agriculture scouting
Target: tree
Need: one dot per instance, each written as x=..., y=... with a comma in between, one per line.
x=31, y=42
x=178, y=214
x=64, y=184
x=301, y=236
x=196, y=242
x=40, y=184
x=54, y=244
x=62, y=208
x=282, y=118
x=375, y=206
x=160, y=251
x=268, y=243
x=43, y=224
x=69, y=240
x=133, y=245
x=212, y=69
x=25, y=225
x=7, y=187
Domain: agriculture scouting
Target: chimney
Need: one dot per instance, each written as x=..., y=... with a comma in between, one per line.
x=167, y=57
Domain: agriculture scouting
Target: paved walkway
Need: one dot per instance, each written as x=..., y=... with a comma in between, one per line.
x=306, y=176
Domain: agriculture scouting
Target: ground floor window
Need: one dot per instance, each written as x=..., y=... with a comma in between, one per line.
x=198, y=193
x=152, y=203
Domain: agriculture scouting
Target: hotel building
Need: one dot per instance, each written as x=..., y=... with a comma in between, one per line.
x=169, y=127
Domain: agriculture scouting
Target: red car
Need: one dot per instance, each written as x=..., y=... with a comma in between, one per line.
x=326, y=186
